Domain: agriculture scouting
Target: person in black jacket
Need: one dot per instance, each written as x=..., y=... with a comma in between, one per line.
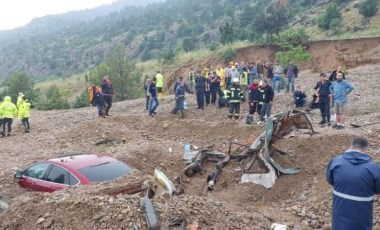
x=215, y=87
x=268, y=95
x=200, y=86
x=108, y=93
x=253, y=100
x=322, y=90
x=299, y=97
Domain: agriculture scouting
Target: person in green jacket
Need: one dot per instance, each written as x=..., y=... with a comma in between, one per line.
x=24, y=113
x=159, y=83
x=8, y=111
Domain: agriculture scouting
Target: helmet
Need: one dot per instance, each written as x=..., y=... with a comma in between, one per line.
x=235, y=80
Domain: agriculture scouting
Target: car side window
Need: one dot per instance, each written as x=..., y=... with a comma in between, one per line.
x=58, y=175
x=36, y=171
x=73, y=180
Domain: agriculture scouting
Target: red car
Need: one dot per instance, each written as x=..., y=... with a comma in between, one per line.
x=61, y=172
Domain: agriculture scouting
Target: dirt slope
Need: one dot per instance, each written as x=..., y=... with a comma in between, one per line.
x=302, y=201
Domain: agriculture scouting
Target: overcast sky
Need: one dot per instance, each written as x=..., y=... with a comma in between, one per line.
x=16, y=13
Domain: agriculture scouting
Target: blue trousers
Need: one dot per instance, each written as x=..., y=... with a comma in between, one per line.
x=153, y=104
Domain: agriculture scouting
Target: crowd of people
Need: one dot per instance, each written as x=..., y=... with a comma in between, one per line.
x=8, y=110
x=254, y=83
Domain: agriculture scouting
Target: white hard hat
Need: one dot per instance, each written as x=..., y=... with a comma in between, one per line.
x=235, y=80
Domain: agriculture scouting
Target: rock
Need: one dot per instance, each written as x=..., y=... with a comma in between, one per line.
x=98, y=216
x=326, y=227
x=47, y=224
x=165, y=125
x=40, y=220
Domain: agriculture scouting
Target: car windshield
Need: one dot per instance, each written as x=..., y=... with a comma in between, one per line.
x=106, y=172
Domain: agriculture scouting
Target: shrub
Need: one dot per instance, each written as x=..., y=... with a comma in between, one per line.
x=332, y=12
x=369, y=8
x=228, y=54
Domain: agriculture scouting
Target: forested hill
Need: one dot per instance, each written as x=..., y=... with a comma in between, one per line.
x=74, y=42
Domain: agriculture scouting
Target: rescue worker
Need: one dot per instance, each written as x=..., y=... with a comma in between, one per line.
x=235, y=95
x=159, y=84
x=24, y=113
x=355, y=178
x=220, y=73
x=223, y=100
x=108, y=93
x=180, y=99
x=19, y=99
x=8, y=111
x=253, y=101
x=200, y=85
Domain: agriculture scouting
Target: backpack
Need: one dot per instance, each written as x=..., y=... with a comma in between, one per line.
x=92, y=92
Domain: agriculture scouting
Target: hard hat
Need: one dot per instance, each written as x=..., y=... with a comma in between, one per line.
x=231, y=62
x=235, y=80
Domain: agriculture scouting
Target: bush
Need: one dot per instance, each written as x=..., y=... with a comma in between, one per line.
x=82, y=100
x=292, y=53
x=332, y=12
x=53, y=98
x=292, y=37
x=214, y=46
x=228, y=54
x=369, y=8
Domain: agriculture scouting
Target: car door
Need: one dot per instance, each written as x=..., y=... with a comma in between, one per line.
x=32, y=177
x=58, y=178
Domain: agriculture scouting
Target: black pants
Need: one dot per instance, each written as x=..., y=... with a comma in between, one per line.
x=234, y=110
x=201, y=97
x=25, y=122
x=214, y=92
x=7, y=122
x=324, y=107
x=207, y=97
x=108, y=101
x=259, y=106
x=253, y=108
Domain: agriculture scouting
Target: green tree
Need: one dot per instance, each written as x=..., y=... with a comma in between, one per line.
x=369, y=8
x=332, y=12
x=82, y=100
x=124, y=74
x=227, y=33
x=289, y=52
x=53, y=98
x=292, y=37
x=189, y=43
x=20, y=82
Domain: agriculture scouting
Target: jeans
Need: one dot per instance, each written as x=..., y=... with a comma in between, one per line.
x=7, y=122
x=290, y=82
x=25, y=122
x=265, y=110
x=300, y=102
x=151, y=107
x=276, y=83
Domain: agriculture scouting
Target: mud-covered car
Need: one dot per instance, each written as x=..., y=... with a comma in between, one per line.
x=82, y=169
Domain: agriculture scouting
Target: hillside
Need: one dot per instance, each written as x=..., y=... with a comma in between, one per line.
x=302, y=201
x=78, y=41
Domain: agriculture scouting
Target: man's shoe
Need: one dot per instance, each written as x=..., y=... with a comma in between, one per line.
x=322, y=123
x=328, y=123
x=151, y=115
x=335, y=126
x=154, y=112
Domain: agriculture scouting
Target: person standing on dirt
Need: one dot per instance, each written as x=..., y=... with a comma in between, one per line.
x=234, y=96
x=159, y=83
x=8, y=111
x=299, y=97
x=215, y=87
x=268, y=95
x=220, y=72
x=243, y=80
x=340, y=89
x=253, y=100
x=208, y=88
x=200, y=86
x=191, y=80
x=355, y=178
x=24, y=113
x=180, y=99
x=277, y=73
x=291, y=72
x=153, y=99
x=322, y=90
x=333, y=78
x=269, y=72
x=108, y=93
x=146, y=91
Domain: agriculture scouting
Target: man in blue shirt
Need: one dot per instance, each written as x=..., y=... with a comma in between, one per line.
x=340, y=89
x=356, y=179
